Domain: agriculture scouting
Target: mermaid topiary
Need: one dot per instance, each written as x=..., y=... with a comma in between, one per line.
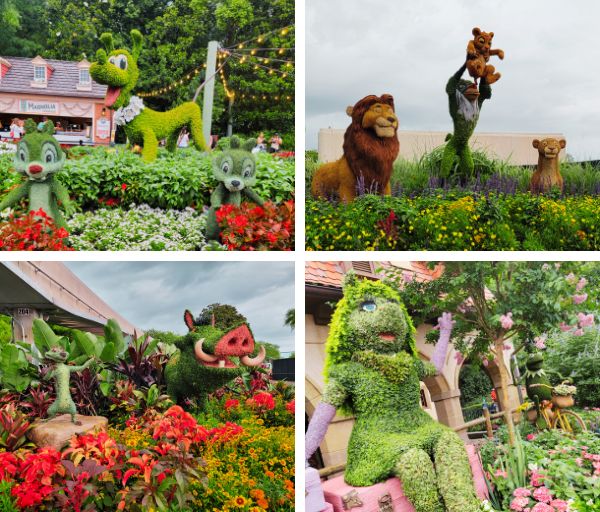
x=465, y=102
x=142, y=125
x=372, y=371
x=39, y=157
x=235, y=170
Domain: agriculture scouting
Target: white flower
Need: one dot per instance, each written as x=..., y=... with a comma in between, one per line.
x=127, y=114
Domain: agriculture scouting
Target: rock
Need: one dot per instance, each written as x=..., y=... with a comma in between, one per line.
x=58, y=431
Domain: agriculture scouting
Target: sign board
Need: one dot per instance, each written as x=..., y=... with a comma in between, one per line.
x=103, y=128
x=22, y=311
x=38, y=107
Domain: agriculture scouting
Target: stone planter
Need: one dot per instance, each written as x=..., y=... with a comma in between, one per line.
x=563, y=402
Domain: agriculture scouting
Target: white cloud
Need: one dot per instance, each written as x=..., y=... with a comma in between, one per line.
x=550, y=81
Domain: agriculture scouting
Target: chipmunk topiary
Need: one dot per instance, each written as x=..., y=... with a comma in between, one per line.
x=119, y=70
x=372, y=371
x=235, y=170
x=38, y=158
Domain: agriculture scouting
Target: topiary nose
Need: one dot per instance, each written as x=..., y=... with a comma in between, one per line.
x=35, y=169
x=235, y=183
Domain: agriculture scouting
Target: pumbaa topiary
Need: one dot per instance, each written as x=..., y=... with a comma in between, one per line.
x=465, y=102
x=143, y=126
x=235, y=170
x=38, y=158
x=372, y=371
x=204, y=363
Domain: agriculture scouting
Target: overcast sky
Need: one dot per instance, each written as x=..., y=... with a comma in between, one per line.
x=550, y=75
x=155, y=294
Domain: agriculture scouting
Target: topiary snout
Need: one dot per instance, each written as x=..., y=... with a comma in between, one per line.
x=238, y=342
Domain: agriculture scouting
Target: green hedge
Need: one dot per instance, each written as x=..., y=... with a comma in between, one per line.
x=455, y=222
x=173, y=181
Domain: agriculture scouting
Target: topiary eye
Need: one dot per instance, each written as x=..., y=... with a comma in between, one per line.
x=123, y=63
x=49, y=153
x=368, y=305
x=23, y=155
x=225, y=167
x=248, y=171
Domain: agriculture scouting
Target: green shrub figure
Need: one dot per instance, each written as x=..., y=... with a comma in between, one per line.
x=539, y=388
x=465, y=102
x=119, y=71
x=204, y=362
x=38, y=157
x=372, y=371
x=235, y=170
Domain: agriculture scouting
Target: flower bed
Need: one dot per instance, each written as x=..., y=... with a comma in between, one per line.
x=455, y=221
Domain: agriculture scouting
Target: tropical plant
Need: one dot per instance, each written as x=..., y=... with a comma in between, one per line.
x=13, y=428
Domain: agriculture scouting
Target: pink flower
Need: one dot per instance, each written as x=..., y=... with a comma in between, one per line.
x=564, y=327
x=521, y=492
x=537, y=479
x=542, y=507
x=571, y=278
x=506, y=321
x=530, y=437
x=581, y=284
x=519, y=504
x=578, y=332
x=459, y=357
x=501, y=473
x=508, y=347
x=540, y=341
x=408, y=277
x=578, y=299
x=560, y=505
x=543, y=494
x=585, y=320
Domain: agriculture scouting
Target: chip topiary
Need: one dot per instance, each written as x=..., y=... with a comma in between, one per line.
x=118, y=69
x=38, y=158
x=372, y=371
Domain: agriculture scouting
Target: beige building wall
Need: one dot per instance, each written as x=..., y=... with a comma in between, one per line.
x=516, y=148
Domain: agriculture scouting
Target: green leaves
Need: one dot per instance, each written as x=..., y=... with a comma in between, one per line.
x=44, y=337
x=16, y=372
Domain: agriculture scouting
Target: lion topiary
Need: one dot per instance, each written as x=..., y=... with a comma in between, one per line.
x=38, y=158
x=370, y=148
x=235, y=170
x=479, y=50
x=143, y=126
x=547, y=175
x=372, y=371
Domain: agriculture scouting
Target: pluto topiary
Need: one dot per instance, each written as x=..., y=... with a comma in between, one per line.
x=119, y=70
x=38, y=158
x=465, y=102
x=372, y=371
x=235, y=170
x=204, y=362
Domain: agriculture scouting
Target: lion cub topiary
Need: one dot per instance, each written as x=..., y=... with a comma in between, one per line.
x=235, y=170
x=479, y=51
x=547, y=174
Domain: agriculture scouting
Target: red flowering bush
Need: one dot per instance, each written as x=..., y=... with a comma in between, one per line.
x=291, y=407
x=262, y=401
x=250, y=227
x=231, y=403
x=35, y=231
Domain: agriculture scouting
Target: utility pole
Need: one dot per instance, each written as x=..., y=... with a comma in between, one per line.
x=209, y=89
x=230, y=116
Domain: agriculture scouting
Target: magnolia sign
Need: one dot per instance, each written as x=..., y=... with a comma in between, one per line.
x=39, y=107
x=103, y=128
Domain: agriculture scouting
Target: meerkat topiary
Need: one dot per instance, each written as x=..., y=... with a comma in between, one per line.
x=372, y=371
x=39, y=157
x=235, y=170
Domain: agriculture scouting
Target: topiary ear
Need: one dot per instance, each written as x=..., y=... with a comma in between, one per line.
x=136, y=39
x=107, y=40
x=30, y=126
x=349, y=280
x=188, y=318
x=535, y=143
x=563, y=143
x=234, y=142
x=249, y=144
x=476, y=31
x=48, y=127
x=349, y=111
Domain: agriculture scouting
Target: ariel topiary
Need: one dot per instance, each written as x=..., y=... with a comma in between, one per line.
x=465, y=102
x=38, y=158
x=235, y=170
x=204, y=362
x=372, y=371
x=119, y=70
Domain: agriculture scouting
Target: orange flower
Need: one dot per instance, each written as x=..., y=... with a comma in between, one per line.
x=257, y=493
x=270, y=474
x=263, y=503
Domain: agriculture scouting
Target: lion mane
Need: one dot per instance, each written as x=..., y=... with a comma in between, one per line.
x=370, y=148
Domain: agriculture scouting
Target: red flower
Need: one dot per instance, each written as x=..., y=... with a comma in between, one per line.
x=291, y=407
x=8, y=466
x=124, y=186
x=232, y=403
x=262, y=400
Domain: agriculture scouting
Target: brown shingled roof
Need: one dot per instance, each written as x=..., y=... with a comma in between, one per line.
x=62, y=82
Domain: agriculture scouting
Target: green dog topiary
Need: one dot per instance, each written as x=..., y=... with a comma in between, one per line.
x=372, y=371
x=38, y=157
x=465, y=102
x=143, y=126
x=204, y=362
x=235, y=169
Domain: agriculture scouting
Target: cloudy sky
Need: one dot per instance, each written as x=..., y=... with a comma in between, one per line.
x=155, y=294
x=550, y=75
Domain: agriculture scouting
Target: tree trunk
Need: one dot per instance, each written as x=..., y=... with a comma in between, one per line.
x=499, y=344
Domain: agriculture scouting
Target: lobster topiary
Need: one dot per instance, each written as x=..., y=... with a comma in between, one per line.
x=372, y=371
x=118, y=70
x=38, y=158
x=204, y=362
x=235, y=170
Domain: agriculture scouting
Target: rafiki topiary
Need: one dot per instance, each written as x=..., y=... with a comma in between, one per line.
x=235, y=170
x=204, y=363
x=465, y=102
x=39, y=157
x=372, y=371
x=143, y=126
